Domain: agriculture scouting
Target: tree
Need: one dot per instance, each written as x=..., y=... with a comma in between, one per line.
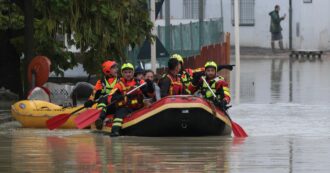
x=100, y=29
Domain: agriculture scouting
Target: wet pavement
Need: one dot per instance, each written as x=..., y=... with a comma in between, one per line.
x=288, y=127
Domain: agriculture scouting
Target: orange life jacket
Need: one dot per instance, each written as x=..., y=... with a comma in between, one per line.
x=176, y=87
x=135, y=99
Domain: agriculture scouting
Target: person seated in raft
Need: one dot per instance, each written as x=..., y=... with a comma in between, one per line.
x=139, y=73
x=170, y=83
x=150, y=75
x=126, y=104
x=217, y=84
x=103, y=87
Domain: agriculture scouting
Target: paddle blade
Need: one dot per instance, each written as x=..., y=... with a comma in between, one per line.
x=87, y=117
x=238, y=130
x=57, y=121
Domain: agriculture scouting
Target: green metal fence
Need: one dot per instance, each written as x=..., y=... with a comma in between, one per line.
x=185, y=38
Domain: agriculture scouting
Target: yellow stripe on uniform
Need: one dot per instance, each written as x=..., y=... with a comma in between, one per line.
x=117, y=124
x=227, y=93
x=118, y=120
x=101, y=105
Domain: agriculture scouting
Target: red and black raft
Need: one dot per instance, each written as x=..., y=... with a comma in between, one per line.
x=176, y=116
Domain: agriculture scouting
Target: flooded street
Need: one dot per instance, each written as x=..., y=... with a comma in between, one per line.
x=284, y=136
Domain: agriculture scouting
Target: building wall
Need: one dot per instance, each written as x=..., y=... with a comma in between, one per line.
x=314, y=25
x=257, y=35
x=310, y=25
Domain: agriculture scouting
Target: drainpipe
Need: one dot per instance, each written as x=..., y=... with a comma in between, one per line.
x=290, y=24
x=201, y=22
x=167, y=26
x=153, y=60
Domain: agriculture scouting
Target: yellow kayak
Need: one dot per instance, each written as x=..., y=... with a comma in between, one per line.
x=35, y=113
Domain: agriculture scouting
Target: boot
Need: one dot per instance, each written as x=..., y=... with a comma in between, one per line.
x=99, y=122
x=116, y=126
x=115, y=131
x=280, y=43
x=273, y=46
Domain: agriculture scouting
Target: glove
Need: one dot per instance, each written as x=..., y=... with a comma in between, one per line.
x=222, y=104
x=150, y=84
x=197, y=78
x=89, y=103
x=103, y=102
x=228, y=67
x=117, y=97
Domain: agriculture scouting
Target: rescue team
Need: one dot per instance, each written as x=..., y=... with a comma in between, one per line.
x=114, y=98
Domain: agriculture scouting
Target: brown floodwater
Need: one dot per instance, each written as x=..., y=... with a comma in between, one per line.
x=288, y=127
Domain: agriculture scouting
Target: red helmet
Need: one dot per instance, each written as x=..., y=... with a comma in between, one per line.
x=106, y=66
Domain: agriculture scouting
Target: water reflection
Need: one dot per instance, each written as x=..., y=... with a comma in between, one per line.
x=268, y=81
x=276, y=78
x=283, y=137
x=98, y=153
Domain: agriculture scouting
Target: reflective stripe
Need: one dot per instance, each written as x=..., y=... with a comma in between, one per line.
x=226, y=89
x=208, y=93
x=135, y=101
x=117, y=124
x=186, y=80
x=108, y=87
x=125, y=89
x=101, y=105
x=118, y=120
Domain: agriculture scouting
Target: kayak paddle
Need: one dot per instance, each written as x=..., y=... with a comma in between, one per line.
x=88, y=117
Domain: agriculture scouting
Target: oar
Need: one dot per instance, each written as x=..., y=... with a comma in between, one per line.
x=60, y=119
x=237, y=129
x=88, y=117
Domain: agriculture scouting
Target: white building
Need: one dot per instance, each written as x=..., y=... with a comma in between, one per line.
x=310, y=21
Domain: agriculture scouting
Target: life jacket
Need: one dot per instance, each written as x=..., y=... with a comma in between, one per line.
x=212, y=83
x=106, y=86
x=135, y=99
x=186, y=80
x=103, y=87
x=176, y=87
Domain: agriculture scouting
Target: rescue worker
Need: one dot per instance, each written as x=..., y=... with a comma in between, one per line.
x=185, y=75
x=103, y=87
x=170, y=83
x=217, y=84
x=126, y=104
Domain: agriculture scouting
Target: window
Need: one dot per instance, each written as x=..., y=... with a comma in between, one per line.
x=190, y=9
x=246, y=12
